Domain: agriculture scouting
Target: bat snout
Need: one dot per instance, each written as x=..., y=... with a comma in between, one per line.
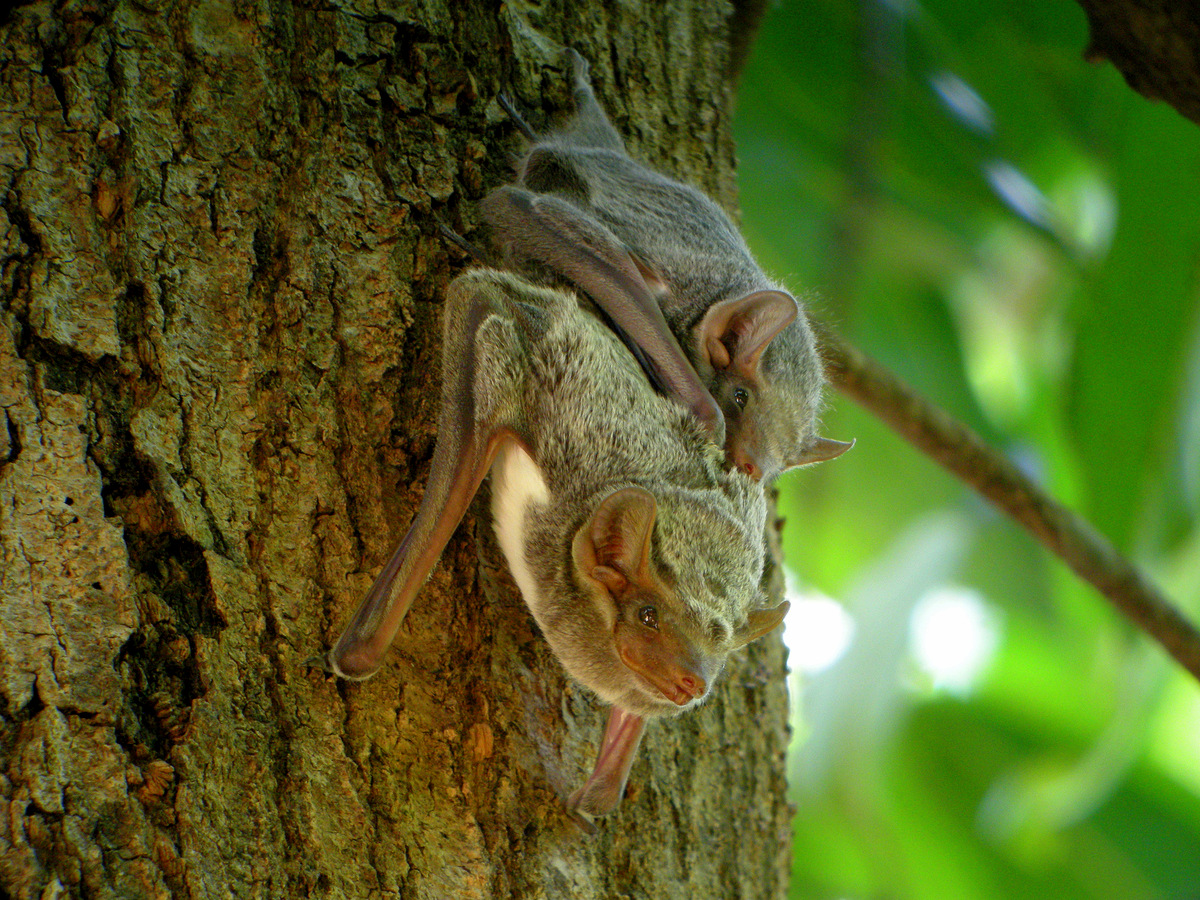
x=745, y=455
x=746, y=465
x=688, y=686
x=681, y=687
x=670, y=666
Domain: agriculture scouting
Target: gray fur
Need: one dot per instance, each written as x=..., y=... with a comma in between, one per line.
x=638, y=553
x=576, y=398
x=690, y=242
x=548, y=397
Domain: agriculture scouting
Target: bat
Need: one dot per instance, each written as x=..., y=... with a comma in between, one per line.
x=637, y=550
x=670, y=271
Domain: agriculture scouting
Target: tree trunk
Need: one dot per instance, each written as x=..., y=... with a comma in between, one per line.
x=221, y=286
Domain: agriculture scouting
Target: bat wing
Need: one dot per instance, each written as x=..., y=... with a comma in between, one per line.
x=572, y=242
x=618, y=749
x=462, y=457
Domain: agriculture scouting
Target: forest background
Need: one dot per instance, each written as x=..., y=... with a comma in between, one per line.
x=1015, y=233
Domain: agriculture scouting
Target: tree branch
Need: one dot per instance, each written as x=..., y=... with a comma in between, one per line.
x=964, y=453
x=1155, y=44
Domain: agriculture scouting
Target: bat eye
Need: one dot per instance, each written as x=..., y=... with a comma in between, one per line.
x=740, y=398
x=648, y=615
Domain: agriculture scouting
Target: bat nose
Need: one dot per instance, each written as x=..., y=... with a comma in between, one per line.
x=689, y=686
x=742, y=460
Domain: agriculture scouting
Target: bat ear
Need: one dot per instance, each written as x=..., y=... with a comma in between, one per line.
x=760, y=622
x=736, y=332
x=819, y=450
x=613, y=547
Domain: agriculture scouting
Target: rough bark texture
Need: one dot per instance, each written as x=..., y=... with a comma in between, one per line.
x=1155, y=44
x=220, y=301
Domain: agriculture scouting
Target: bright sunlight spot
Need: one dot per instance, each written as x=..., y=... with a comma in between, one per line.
x=817, y=631
x=1177, y=732
x=953, y=635
x=961, y=100
x=1016, y=189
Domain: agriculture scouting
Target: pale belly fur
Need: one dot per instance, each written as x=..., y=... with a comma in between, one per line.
x=517, y=484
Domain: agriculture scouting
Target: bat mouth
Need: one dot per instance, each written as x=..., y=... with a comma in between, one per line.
x=679, y=694
x=680, y=690
x=663, y=663
x=665, y=704
x=646, y=699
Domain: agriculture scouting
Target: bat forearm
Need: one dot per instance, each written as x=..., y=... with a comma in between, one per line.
x=618, y=748
x=461, y=460
x=454, y=479
x=556, y=233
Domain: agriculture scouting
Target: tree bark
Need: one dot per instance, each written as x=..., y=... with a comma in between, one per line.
x=220, y=296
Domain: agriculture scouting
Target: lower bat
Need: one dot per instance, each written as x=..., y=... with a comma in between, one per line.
x=637, y=551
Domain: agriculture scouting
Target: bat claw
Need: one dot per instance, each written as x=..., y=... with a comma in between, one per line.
x=585, y=822
x=504, y=98
x=320, y=662
x=710, y=415
x=461, y=242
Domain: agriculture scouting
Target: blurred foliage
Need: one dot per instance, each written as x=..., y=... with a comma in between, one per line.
x=1016, y=234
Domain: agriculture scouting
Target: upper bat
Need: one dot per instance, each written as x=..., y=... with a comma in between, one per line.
x=638, y=552
x=664, y=262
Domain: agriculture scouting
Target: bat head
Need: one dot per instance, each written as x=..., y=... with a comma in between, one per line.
x=668, y=631
x=760, y=359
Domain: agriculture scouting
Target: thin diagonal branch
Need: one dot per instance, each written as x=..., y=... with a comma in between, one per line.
x=1062, y=531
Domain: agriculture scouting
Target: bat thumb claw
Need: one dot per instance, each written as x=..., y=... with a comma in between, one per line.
x=585, y=822
x=320, y=662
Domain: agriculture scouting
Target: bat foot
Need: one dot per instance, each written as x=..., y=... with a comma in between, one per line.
x=462, y=243
x=577, y=64
x=504, y=98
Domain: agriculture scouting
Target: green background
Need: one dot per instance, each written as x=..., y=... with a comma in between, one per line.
x=1027, y=254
